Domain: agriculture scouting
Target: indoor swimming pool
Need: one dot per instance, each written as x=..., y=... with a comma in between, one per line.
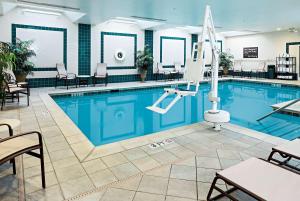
x=106, y=117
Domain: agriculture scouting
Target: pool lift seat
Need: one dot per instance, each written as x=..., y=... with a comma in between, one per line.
x=194, y=73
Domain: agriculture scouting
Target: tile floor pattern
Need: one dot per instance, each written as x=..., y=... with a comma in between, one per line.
x=180, y=171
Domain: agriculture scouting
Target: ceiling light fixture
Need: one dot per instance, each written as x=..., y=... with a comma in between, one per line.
x=148, y=18
x=278, y=29
x=123, y=21
x=41, y=12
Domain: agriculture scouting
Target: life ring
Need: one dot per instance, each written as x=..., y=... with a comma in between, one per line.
x=120, y=55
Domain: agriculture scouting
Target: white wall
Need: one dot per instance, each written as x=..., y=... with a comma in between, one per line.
x=270, y=45
x=171, y=33
x=17, y=16
x=115, y=45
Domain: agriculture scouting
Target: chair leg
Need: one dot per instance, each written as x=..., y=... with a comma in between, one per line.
x=94, y=81
x=13, y=161
x=106, y=80
x=42, y=166
x=55, y=82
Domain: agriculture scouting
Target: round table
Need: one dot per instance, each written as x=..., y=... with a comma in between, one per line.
x=14, y=123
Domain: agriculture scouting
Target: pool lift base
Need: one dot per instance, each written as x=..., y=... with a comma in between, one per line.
x=217, y=117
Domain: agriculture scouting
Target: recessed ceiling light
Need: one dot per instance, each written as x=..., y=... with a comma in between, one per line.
x=278, y=29
x=41, y=12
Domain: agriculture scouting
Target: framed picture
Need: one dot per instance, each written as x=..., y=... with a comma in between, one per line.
x=250, y=52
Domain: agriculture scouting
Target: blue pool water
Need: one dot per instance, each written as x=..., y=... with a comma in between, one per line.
x=115, y=116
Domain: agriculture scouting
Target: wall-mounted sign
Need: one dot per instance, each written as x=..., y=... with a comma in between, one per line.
x=120, y=55
x=250, y=52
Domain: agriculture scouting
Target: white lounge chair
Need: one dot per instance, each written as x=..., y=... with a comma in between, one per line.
x=63, y=75
x=16, y=145
x=259, y=179
x=101, y=73
x=287, y=151
x=161, y=71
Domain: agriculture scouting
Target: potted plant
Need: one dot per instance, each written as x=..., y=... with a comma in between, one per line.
x=23, y=52
x=143, y=61
x=226, y=62
x=7, y=61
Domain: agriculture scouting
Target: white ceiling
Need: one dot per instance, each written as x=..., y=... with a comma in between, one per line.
x=233, y=15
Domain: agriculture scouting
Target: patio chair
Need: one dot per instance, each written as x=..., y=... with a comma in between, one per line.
x=101, y=73
x=17, y=145
x=63, y=75
x=288, y=151
x=259, y=179
x=12, y=80
x=13, y=91
x=161, y=71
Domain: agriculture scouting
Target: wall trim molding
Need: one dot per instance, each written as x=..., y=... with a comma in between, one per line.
x=14, y=28
x=161, y=48
x=118, y=34
x=287, y=46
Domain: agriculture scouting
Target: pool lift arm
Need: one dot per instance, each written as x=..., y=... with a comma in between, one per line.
x=194, y=73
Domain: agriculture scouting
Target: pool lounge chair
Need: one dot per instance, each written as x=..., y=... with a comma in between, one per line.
x=63, y=75
x=12, y=80
x=259, y=179
x=17, y=145
x=101, y=73
x=13, y=91
x=288, y=151
x=161, y=71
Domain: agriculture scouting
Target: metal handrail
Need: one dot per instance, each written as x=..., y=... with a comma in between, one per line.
x=279, y=109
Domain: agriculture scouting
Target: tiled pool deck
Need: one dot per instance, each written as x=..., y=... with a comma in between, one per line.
x=127, y=170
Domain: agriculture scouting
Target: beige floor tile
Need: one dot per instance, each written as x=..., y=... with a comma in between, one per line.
x=226, y=163
x=228, y=154
x=129, y=184
x=181, y=152
x=103, y=177
x=113, y=194
x=160, y=172
x=146, y=163
x=183, y=172
x=188, y=162
x=182, y=188
x=206, y=175
x=33, y=184
x=69, y=173
x=203, y=189
x=139, y=196
x=61, y=154
x=133, y=154
x=96, y=196
x=171, y=198
x=76, y=186
x=114, y=159
x=151, y=184
x=66, y=162
x=52, y=193
x=164, y=157
x=206, y=162
x=124, y=170
x=94, y=166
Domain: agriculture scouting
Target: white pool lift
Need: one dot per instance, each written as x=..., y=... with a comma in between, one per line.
x=194, y=73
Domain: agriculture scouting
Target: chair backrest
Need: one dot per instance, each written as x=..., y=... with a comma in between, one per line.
x=177, y=66
x=101, y=69
x=10, y=76
x=61, y=69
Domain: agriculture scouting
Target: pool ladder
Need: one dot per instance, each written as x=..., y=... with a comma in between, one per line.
x=279, y=109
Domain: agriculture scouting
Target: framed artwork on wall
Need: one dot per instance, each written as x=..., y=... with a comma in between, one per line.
x=250, y=52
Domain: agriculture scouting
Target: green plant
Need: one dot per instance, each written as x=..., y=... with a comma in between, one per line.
x=226, y=60
x=144, y=59
x=23, y=52
x=7, y=61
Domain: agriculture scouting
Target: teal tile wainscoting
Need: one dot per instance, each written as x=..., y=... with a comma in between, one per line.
x=84, y=49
